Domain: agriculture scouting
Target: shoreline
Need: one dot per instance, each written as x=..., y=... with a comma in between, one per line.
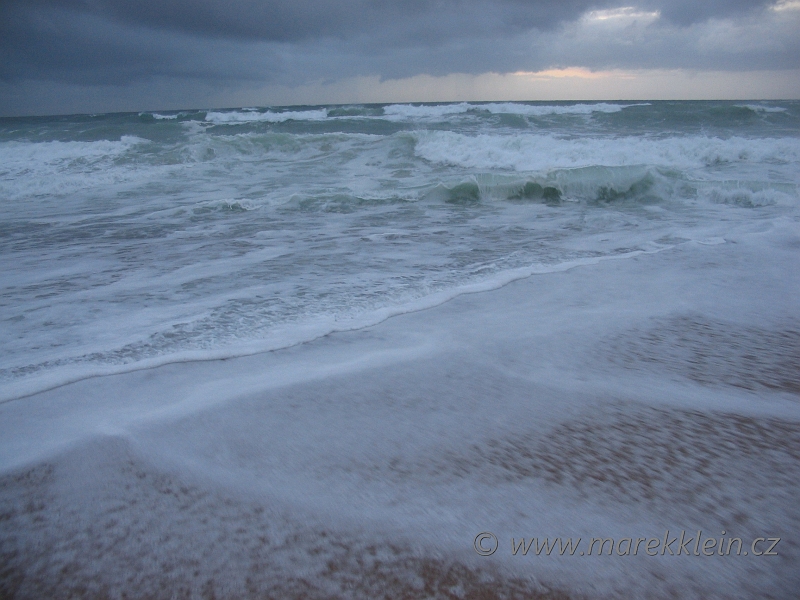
x=364, y=322
x=561, y=405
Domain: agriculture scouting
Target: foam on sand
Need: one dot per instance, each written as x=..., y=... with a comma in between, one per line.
x=364, y=464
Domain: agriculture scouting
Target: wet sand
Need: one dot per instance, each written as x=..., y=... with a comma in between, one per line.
x=363, y=464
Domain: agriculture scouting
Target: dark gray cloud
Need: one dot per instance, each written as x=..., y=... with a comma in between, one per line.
x=59, y=44
x=285, y=21
x=215, y=44
x=291, y=21
x=116, y=41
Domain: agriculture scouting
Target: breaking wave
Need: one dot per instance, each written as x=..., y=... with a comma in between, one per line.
x=535, y=152
x=437, y=111
x=237, y=117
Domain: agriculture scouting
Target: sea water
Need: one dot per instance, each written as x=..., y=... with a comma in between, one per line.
x=135, y=239
x=639, y=378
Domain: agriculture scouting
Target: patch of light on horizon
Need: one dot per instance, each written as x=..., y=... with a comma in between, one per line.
x=627, y=13
x=577, y=72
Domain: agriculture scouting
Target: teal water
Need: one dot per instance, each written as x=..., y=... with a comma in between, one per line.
x=137, y=237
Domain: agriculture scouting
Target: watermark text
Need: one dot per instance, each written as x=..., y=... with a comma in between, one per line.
x=680, y=543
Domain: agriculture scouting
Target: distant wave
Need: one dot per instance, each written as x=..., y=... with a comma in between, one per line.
x=762, y=108
x=538, y=110
x=411, y=111
x=234, y=117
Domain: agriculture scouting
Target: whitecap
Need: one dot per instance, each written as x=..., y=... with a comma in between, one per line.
x=236, y=117
x=556, y=109
x=422, y=111
x=533, y=152
x=436, y=111
x=762, y=108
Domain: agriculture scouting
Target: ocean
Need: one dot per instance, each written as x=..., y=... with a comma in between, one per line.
x=139, y=239
x=517, y=350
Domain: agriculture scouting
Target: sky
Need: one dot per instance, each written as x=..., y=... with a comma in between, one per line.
x=80, y=56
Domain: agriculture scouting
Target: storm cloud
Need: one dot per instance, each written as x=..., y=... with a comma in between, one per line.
x=241, y=43
x=415, y=21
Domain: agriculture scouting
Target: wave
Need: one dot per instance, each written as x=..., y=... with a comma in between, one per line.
x=48, y=376
x=405, y=112
x=434, y=111
x=539, y=110
x=590, y=184
x=354, y=111
x=30, y=168
x=249, y=116
x=527, y=152
x=755, y=195
x=611, y=186
x=422, y=111
x=20, y=152
x=762, y=108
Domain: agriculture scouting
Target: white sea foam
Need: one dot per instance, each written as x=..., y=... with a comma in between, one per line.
x=14, y=154
x=749, y=198
x=763, y=109
x=652, y=320
x=507, y=412
x=171, y=242
x=422, y=111
x=35, y=168
x=249, y=116
x=402, y=112
x=540, y=152
x=536, y=110
x=281, y=336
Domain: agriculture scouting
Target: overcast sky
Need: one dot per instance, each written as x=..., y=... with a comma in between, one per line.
x=66, y=56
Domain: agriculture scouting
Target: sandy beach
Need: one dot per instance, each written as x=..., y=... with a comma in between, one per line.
x=623, y=399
